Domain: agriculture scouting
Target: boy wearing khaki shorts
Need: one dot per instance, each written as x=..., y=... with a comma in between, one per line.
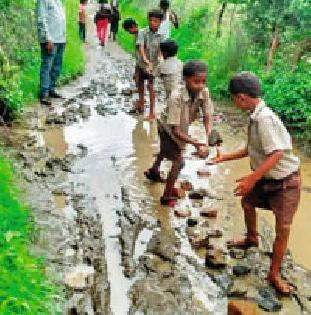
x=275, y=181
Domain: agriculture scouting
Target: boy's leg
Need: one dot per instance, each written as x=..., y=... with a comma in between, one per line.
x=279, y=249
x=172, y=177
x=250, y=219
x=284, y=204
x=57, y=65
x=152, y=115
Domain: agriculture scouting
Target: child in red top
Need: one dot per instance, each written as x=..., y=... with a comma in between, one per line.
x=102, y=19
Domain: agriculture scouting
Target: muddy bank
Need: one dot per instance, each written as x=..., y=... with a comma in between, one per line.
x=114, y=248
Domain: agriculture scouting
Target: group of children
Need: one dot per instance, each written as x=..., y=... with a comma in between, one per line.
x=106, y=19
x=275, y=180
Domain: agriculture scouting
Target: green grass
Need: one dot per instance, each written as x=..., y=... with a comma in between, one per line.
x=24, y=285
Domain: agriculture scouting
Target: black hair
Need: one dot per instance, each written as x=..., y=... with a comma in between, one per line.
x=194, y=67
x=246, y=83
x=169, y=47
x=129, y=23
x=164, y=4
x=156, y=13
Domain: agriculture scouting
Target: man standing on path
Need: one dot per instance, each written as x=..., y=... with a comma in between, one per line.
x=51, y=21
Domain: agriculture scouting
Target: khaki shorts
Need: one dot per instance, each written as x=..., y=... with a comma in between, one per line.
x=280, y=196
x=169, y=149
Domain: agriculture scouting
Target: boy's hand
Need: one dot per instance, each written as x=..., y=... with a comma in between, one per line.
x=49, y=46
x=218, y=158
x=245, y=185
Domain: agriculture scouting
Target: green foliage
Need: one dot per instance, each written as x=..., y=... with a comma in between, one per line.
x=24, y=287
x=20, y=50
x=247, y=27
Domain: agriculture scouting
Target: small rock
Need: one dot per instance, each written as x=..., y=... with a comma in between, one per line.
x=192, y=222
x=212, y=214
x=241, y=270
x=182, y=213
x=236, y=253
x=268, y=301
x=80, y=277
x=215, y=259
x=215, y=233
x=203, y=172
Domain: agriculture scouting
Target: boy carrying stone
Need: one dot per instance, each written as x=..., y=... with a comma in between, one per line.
x=274, y=182
x=170, y=67
x=183, y=108
x=148, y=45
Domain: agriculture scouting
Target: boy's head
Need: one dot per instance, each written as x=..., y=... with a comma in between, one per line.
x=195, y=73
x=130, y=26
x=155, y=18
x=168, y=48
x=245, y=90
x=164, y=4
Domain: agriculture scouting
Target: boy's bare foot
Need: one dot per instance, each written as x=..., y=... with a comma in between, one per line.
x=168, y=201
x=154, y=176
x=280, y=285
x=243, y=243
x=150, y=117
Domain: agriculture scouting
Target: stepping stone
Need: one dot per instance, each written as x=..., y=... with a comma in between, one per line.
x=215, y=233
x=192, y=222
x=198, y=194
x=268, y=301
x=241, y=270
x=182, y=213
x=211, y=214
x=203, y=172
x=186, y=185
x=215, y=259
x=236, y=253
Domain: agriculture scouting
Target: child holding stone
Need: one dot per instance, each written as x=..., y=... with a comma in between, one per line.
x=183, y=108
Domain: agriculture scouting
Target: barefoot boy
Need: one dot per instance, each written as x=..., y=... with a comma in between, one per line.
x=275, y=181
x=183, y=108
x=148, y=43
x=170, y=67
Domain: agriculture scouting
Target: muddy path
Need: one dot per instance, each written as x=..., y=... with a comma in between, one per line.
x=105, y=236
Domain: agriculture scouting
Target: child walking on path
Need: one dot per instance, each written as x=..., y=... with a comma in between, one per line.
x=169, y=17
x=102, y=20
x=170, y=67
x=148, y=45
x=82, y=20
x=275, y=181
x=183, y=108
x=115, y=19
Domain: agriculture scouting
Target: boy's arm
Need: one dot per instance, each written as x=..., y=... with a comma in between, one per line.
x=240, y=154
x=207, y=121
x=185, y=138
x=42, y=22
x=246, y=184
x=142, y=53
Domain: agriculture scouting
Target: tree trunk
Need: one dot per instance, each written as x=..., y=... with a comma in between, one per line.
x=303, y=48
x=275, y=41
x=220, y=18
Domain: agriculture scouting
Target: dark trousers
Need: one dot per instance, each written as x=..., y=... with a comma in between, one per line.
x=82, y=31
x=51, y=65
